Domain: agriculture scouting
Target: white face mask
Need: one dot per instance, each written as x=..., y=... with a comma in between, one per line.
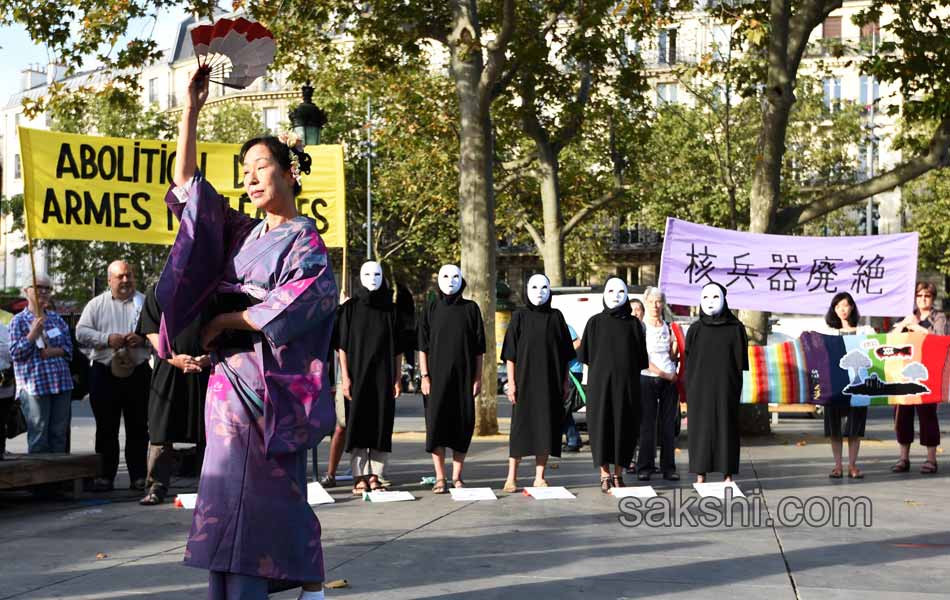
x=615, y=292
x=539, y=289
x=450, y=279
x=712, y=300
x=371, y=275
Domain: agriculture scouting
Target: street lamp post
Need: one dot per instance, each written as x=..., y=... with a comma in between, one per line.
x=307, y=119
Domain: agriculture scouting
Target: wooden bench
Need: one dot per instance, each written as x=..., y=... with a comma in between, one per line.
x=777, y=409
x=25, y=470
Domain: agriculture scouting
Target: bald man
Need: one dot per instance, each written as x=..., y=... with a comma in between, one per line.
x=119, y=377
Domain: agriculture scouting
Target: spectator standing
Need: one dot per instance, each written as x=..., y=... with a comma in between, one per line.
x=842, y=319
x=41, y=349
x=924, y=319
x=119, y=377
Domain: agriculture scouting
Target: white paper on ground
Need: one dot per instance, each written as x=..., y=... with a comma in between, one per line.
x=468, y=494
x=317, y=495
x=639, y=491
x=718, y=489
x=381, y=496
x=549, y=493
x=187, y=500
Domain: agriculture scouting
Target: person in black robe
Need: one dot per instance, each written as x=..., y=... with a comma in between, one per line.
x=176, y=398
x=614, y=349
x=451, y=350
x=367, y=338
x=537, y=350
x=716, y=356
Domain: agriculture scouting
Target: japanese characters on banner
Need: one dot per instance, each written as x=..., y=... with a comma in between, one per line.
x=80, y=187
x=790, y=274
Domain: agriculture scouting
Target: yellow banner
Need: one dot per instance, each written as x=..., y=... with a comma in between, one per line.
x=80, y=187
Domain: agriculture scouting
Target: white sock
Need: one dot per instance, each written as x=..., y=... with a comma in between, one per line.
x=304, y=595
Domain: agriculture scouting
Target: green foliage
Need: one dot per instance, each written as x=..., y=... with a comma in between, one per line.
x=230, y=123
x=113, y=111
x=686, y=173
x=415, y=168
x=914, y=53
x=76, y=32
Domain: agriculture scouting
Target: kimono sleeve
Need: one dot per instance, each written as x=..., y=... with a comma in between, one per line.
x=479, y=341
x=586, y=352
x=151, y=317
x=566, y=341
x=742, y=346
x=509, y=349
x=341, y=329
x=424, y=327
x=640, y=349
x=208, y=231
x=305, y=295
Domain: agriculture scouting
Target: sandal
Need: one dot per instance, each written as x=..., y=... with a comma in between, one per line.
x=605, y=484
x=540, y=483
x=374, y=484
x=618, y=481
x=855, y=473
x=510, y=487
x=835, y=473
x=928, y=468
x=458, y=483
x=439, y=487
x=359, y=487
x=901, y=466
x=151, y=499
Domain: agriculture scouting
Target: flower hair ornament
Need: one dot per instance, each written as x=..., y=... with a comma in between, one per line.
x=295, y=146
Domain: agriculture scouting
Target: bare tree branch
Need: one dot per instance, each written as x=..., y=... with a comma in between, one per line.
x=574, y=111
x=810, y=14
x=496, y=55
x=615, y=194
x=937, y=156
x=533, y=232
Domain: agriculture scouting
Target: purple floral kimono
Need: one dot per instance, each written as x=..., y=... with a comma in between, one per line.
x=268, y=396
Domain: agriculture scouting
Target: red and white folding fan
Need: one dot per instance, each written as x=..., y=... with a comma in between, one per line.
x=236, y=51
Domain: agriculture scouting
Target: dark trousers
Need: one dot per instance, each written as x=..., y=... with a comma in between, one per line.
x=161, y=464
x=929, y=426
x=115, y=398
x=5, y=405
x=659, y=410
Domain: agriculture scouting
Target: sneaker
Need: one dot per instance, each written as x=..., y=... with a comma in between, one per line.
x=328, y=481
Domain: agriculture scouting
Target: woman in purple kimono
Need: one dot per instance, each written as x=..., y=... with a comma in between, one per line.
x=268, y=397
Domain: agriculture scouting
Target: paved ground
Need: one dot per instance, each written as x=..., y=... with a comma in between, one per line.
x=111, y=548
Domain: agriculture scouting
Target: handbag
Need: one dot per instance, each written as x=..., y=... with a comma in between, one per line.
x=15, y=420
x=576, y=398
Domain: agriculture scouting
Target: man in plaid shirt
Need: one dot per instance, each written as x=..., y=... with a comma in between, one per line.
x=41, y=350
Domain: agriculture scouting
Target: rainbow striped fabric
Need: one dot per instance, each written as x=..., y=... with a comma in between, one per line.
x=856, y=370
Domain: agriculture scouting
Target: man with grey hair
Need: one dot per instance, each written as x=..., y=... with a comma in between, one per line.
x=41, y=349
x=119, y=377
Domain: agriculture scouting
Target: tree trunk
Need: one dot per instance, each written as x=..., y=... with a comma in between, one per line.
x=476, y=200
x=552, y=252
x=767, y=174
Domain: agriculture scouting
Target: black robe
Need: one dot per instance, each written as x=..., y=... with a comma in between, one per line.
x=452, y=334
x=716, y=356
x=539, y=344
x=614, y=349
x=368, y=330
x=176, y=399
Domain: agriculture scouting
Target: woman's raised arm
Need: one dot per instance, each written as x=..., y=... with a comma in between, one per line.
x=186, y=155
